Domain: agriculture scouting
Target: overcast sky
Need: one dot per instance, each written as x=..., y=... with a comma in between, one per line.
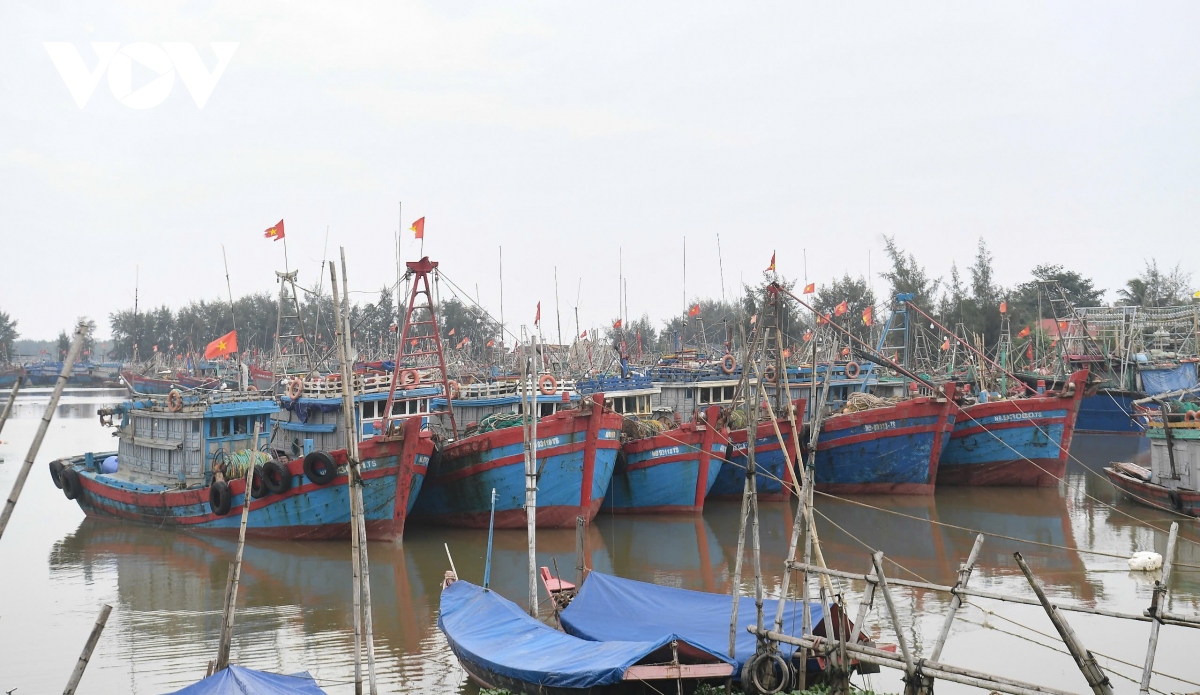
x=1062, y=133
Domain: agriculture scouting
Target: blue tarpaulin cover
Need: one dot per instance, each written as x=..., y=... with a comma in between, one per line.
x=493, y=633
x=1163, y=380
x=236, y=680
x=612, y=608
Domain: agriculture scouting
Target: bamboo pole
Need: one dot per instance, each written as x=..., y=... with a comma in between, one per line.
x=1087, y=663
x=910, y=669
x=530, y=431
x=12, y=398
x=356, y=491
x=88, y=647
x=580, y=525
x=23, y=474
x=235, y=570
x=1159, y=600
x=954, y=674
x=964, y=575
x=351, y=455
x=1167, y=618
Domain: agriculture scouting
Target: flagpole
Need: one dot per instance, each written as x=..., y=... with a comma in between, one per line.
x=232, y=316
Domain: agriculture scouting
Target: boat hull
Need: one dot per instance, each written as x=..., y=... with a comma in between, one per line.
x=1110, y=412
x=1154, y=495
x=669, y=473
x=393, y=472
x=889, y=450
x=1021, y=442
x=775, y=478
x=576, y=452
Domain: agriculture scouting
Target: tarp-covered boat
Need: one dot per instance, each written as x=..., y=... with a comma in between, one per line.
x=501, y=646
x=611, y=608
x=236, y=680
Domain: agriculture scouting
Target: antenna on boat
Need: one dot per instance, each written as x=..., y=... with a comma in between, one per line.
x=503, y=326
x=137, y=271
x=232, y=316
x=721, y=266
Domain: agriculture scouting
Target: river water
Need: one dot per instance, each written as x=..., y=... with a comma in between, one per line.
x=294, y=607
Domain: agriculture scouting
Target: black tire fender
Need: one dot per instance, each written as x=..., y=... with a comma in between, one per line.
x=219, y=498
x=320, y=468
x=56, y=469
x=258, y=484
x=71, y=486
x=277, y=477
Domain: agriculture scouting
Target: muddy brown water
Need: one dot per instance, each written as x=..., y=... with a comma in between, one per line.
x=294, y=612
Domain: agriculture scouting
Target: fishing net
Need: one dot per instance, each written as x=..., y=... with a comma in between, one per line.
x=237, y=463
x=859, y=401
x=635, y=428
x=498, y=421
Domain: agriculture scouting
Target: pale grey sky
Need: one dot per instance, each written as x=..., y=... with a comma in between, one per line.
x=1061, y=132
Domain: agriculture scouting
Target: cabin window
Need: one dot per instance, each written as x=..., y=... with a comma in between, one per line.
x=368, y=410
x=705, y=395
x=545, y=409
x=729, y=393
x=687, y=393
x=631, y=404
x=239, y=424
x=213, y=429
x=195, y=425
x=397, y=407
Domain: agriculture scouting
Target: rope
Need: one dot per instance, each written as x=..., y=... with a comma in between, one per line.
x=859, y=401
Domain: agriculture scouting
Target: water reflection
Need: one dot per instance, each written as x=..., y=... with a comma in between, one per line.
x=74, y=403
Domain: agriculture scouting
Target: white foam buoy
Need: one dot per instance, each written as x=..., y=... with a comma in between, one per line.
x=1145, y=561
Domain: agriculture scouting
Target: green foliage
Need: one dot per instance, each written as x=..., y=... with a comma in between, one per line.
x=1155, y=288
x=8, y=336
x=906, y=276
x=1023, y=299
x=858, y=296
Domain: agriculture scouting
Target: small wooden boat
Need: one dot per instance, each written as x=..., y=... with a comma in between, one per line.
x=501, y=646
x=775, y=477
x=182, y=464
x=894, y=449
x=576, y=452
x=670, y=472
x=1017, y=441
x=1173, y=480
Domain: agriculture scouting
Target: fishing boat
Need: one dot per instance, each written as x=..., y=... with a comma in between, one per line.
x=890, y=449
x=501, y=646
x=235, y=680
x=576, y=450
x=669, y=472
x=775, y=476
x=1172, y=481
x=182, y=463
x=1014, y=441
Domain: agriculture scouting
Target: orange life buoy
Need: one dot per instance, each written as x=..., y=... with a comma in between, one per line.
x=174, y=400
x=295, y=387
x=852, y=370
x=769, y=374
x=547, y=384
x=1190, y=416
x=728, y=364
x=452, y=389
x=410, y=377
x=252, y=388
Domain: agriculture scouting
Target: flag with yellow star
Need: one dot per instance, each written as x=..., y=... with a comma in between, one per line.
x=225, y=345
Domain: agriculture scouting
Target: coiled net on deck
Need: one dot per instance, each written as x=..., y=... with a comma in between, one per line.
x=237, y=463
x=859, y=401
x=498, y=421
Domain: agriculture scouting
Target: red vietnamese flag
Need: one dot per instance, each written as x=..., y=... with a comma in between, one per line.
x=946, y=343
x=841, y=308
x=810, y=288
x=771, y=268
x=694, y=311
x=275, y=232
x=490, y=343
x=868, y=316
x=224, y=345
x=807, y=336
x=617, y=323
x=584, y=335
x=1024, y=332
x=1003, y=307
x=418, y=228
x=450, y=333
x=537, y=320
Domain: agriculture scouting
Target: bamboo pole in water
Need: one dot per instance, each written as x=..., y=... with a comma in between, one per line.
x=580, y=525
x=530, y=431
x=235, y=570
x=23, y=474
x=1087, y=663
x=964, y=576
x=1159, y=600
x=357, y=492
x=88, y=647
x=351, y=455
x=12, y=398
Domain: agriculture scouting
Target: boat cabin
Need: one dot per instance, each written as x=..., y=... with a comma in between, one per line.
x=478, y=400
x=313, y=419
x=631, y=396
x=177, y=447
x=1177, y=468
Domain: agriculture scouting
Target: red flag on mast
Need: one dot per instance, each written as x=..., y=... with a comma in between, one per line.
x=418, y=228
x=224, y=345
x=537, y=320
x=275, y=232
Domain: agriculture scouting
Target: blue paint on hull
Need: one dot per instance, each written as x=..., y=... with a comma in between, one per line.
x=1108, y=413
x=768, y=458
x=467, y=500
x=663, y=486
x=997, y=455
x=882, y=462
